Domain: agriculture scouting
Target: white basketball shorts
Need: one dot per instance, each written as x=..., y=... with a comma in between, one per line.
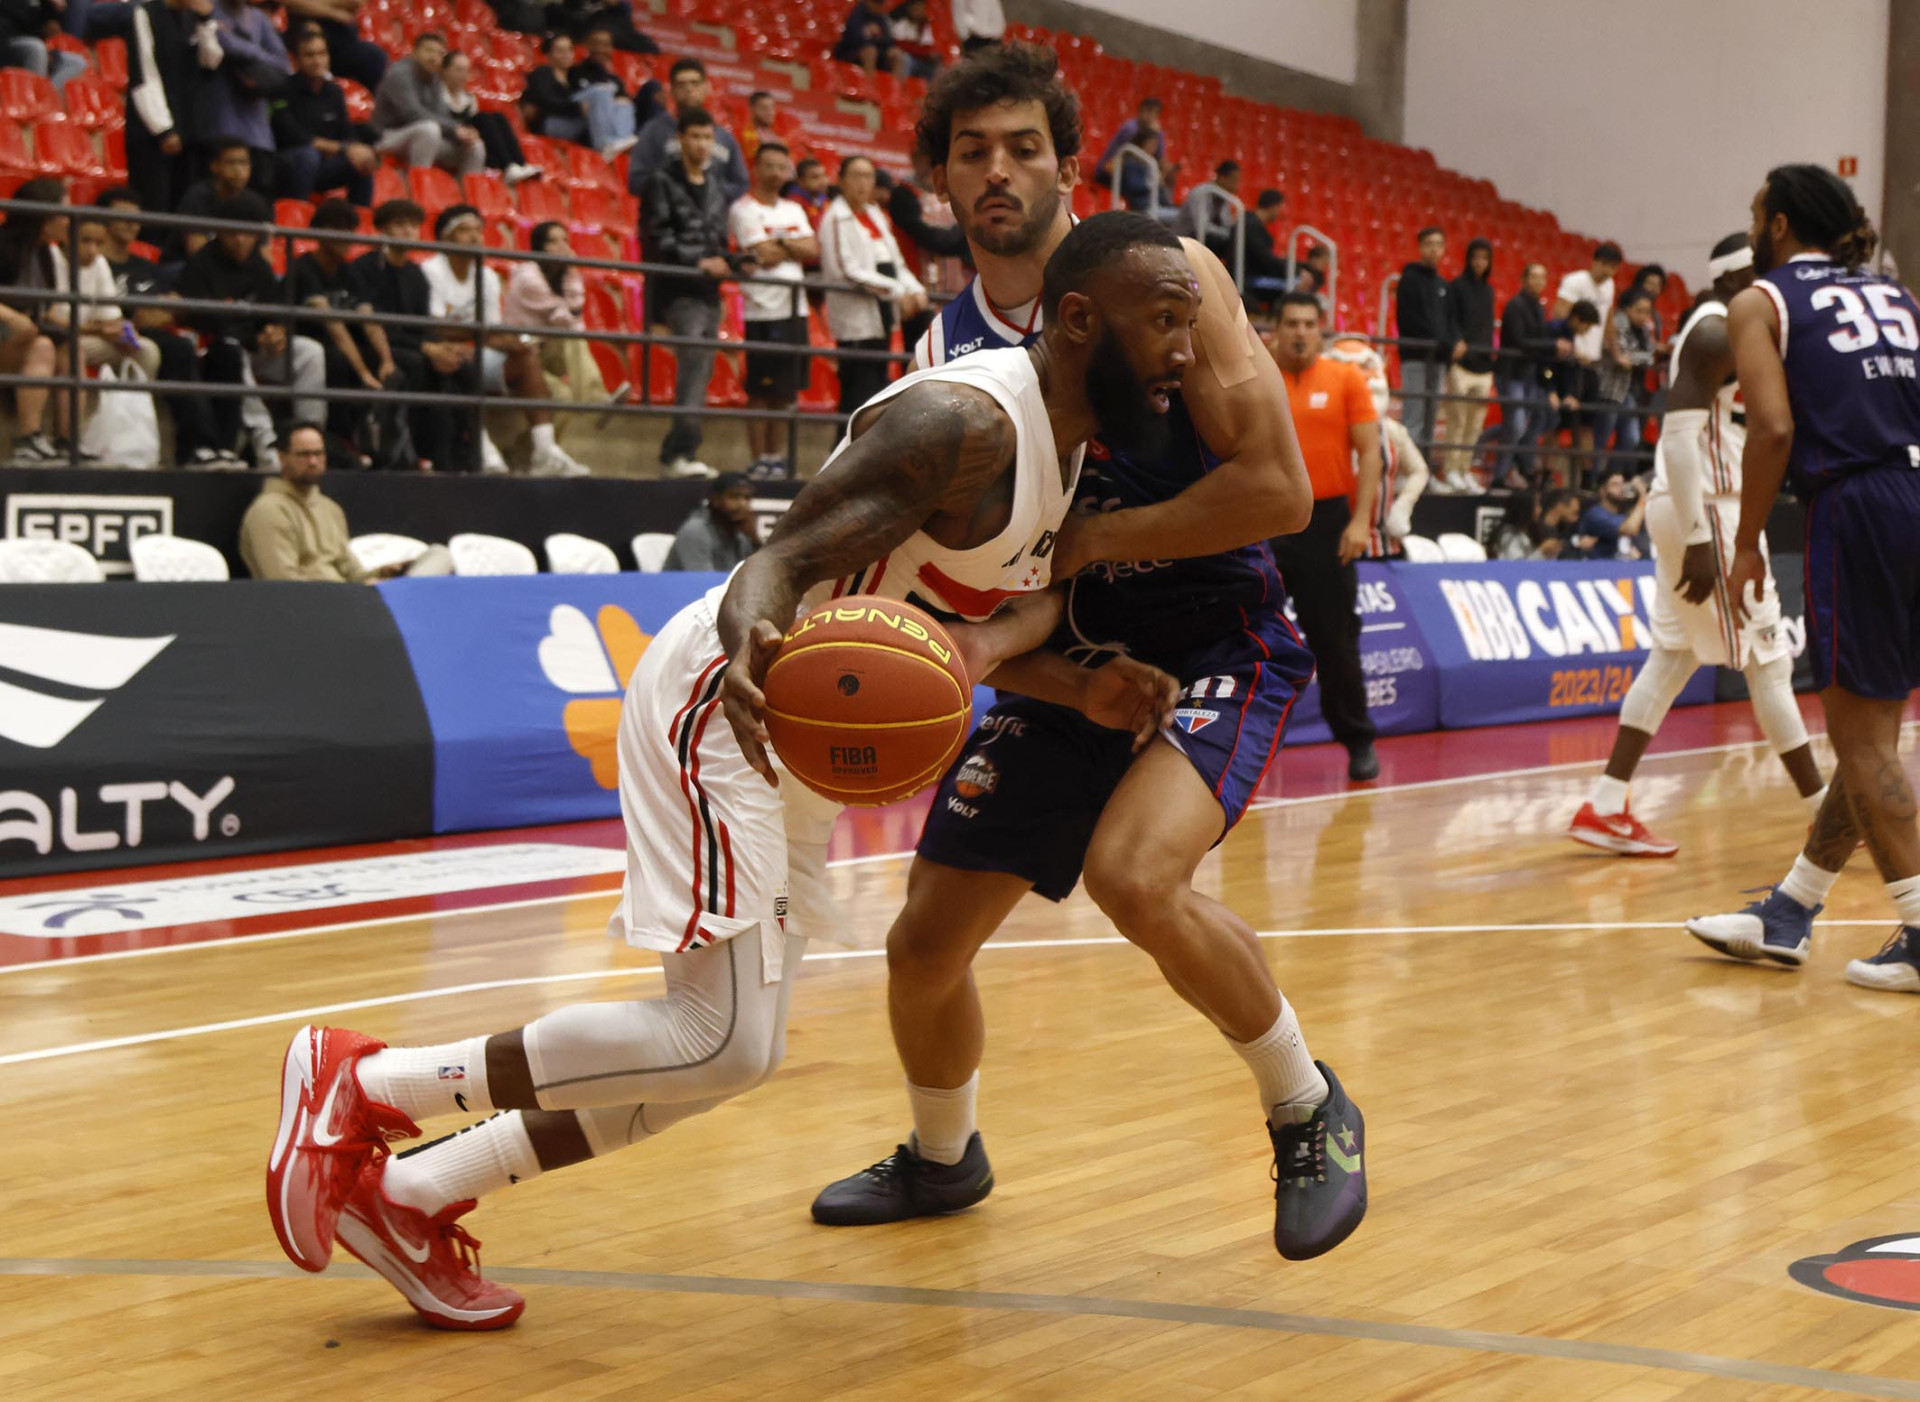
x=1709, y=630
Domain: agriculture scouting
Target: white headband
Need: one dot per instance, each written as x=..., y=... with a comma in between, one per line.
x=1729, y=263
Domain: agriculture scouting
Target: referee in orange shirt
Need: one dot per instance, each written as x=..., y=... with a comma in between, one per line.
x=1337, y=424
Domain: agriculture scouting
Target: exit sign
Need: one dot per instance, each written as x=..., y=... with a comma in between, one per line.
x=1849, y=166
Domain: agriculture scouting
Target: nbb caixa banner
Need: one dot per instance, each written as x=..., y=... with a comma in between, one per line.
x=1530, y=640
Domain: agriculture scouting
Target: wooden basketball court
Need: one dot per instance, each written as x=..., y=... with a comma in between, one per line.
x=1595, y=1149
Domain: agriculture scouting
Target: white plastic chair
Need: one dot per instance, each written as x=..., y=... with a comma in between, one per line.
x=650, y=550
x=1421, y=551
x=170, y=559
x=575, y=554
x=475, y=554
x=47, y=562
x=379, y=551
x=1458, y=549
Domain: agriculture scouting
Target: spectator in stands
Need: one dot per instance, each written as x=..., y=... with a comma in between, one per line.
x=356, y=59
x=323, y=279
x=106, y=336
x=463, y=290
x=1652, y=280
x=578, y=18
x=135, y=275
x=658, y=147
x=249, y=65
x=27, y=263
x=1207, y=217
x=542, y=296
x=164, y=84
x=1420, y=304
x=811, y=189
x=291, y=531
x=497, y=139
x=1266, y=270
x=249, y=347
x=1524, y=346
x=924, y=227
x=776, y=238
x=978, y=24
x=1623, y=373
x=1564, y=375
x=1338, y=426
x=1536, y=525
x=390, y=282
x=561, y=102
x=1613, y=527
x=1593, y=284
x=1469, y=337
x=23, y=43
x=762, y=113
x=913, y=40
x=720, y=534
x=1139, y=188
x=318, y=147
x=229, y=172
x=857, y=246
x=867, y=40
x=685, y=222
x=410, y=113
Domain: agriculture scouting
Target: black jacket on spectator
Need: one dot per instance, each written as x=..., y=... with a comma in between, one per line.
x=547, y=96
x=210, y=276
x=19, y=19
x=1470, y=314
x=1262, y=260
x=400, y=291
x=301, y=115
x=577, y=17
x=938, y=240
x=683, y=223
x=1524, y=340
x=587, y=71
x=1421, y=304
x=340, y=290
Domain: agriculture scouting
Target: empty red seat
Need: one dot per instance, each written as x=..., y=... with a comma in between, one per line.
x=64, y=149
x=489, y=194
x=93, y=102
x=390, y=183
x=541, y=201
x=27, y=97
x=434, y=190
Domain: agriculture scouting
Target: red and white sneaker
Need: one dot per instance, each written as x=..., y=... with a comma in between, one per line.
x=328, y=1132
x=433, y=1261
x=1620, y=833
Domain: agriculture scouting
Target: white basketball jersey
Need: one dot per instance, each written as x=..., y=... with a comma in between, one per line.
x=970, y=584
x=1725, y=437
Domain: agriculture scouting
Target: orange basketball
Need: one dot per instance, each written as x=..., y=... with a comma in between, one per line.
x=867, y=702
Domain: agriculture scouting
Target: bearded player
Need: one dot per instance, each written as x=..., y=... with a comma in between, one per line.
x=948, y=490
x=1693, y=515
x=1170, y=526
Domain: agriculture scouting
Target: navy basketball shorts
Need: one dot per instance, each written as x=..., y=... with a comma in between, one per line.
x=1863, y=583
x=1026, y=792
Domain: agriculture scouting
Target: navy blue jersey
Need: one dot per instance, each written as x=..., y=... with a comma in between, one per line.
x=1159, y=611
x=1851, y=343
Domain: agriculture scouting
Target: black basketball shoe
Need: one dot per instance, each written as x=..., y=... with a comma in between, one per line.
x=903, y=1185
x=1320, y=1191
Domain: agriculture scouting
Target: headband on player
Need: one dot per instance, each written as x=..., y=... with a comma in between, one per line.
x=1729, y=263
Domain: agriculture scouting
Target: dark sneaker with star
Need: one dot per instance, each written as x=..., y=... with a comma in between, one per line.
x=1320, y=1191
x=903, y=1186
x=1895, y=969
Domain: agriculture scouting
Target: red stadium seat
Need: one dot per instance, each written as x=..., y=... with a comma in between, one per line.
x=389, y=183
x=294, y=214
x=27, y=97
x=489, y=194
x=587, y=169
x=64, y=149
x=359, y=100
x=110, y=61
x=434, y=190
x=93, y=103
x=541, y=201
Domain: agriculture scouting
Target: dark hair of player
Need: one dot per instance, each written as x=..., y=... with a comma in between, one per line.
x=1732, y=243
x=1091, y=245
x=1003, y=73
x=1822, y=212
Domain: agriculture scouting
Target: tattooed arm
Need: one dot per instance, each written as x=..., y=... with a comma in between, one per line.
x=932, y=451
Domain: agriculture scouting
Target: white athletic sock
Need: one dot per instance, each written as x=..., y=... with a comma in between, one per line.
x=1282, y=1065
x=480, y=1159
x=943, y=1119
x=1807, y=883
x=542, y=439
x=421, y=1082
x=1906, y=899
x=1609, y=795
x=1813, y=801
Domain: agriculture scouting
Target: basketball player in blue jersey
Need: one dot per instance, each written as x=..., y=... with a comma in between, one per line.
x=1166, y=550
x=1828, y=356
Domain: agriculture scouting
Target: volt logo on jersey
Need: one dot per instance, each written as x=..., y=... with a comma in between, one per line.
x=80, y=661
x=1193, y=719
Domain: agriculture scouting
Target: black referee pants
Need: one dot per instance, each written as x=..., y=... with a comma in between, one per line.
x=1325, y=594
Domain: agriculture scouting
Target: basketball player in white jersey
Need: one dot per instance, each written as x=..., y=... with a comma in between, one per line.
x=1693, y=511
x=948, y=490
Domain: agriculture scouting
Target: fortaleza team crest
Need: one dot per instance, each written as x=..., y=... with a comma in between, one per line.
x=1882, y=1270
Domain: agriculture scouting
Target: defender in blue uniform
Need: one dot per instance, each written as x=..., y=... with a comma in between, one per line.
x=1168, y=565
x=1829, y=364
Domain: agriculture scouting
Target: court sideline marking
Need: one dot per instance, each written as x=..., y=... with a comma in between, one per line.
x=1099, y=1306
x=825, y=956
x=1258, y=805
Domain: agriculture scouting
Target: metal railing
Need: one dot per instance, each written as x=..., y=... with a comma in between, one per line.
x=1207, y=192
x=1131, y=152
x=1333, y=259
x=72, y=380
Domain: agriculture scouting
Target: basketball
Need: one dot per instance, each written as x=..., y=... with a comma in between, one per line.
x=867, y=702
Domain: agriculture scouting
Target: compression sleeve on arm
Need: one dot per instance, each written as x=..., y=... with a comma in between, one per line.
x=1682, y=436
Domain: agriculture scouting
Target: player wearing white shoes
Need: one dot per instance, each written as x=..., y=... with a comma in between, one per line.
x=1693, y=513
x=948, y=491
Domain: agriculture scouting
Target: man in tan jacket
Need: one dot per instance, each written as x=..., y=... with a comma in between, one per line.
x=293, y=532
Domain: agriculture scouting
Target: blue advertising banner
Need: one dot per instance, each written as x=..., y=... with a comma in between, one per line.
x=1403, y=687
x=1531, y=640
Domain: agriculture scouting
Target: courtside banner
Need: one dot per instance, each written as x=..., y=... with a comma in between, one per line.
x=1403, y=686
x=1534, y=639
x=522, y=679
x=171, y=722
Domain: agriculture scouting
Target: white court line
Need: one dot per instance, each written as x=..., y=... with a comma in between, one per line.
x=827, y=956
x=1258, y=805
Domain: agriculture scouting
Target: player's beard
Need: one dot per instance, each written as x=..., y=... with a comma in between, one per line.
x=1763, y=261
x=1128, y=419
x=1016, y=242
